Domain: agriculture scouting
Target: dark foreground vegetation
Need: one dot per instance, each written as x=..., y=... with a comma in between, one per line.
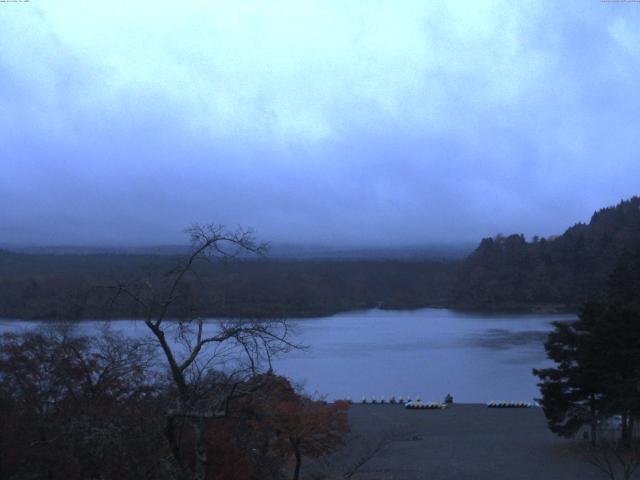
x=77, y=407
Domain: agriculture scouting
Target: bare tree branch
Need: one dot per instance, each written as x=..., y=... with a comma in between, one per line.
x=202, y=393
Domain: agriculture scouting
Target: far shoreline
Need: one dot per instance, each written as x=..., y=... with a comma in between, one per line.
x=534, y=310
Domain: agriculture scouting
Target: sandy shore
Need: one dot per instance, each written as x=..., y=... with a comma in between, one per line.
x=464, y=442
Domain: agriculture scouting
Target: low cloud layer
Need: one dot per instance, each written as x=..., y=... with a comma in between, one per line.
x=314, y=122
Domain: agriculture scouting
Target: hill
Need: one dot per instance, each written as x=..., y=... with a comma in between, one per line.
x=502, y=273
x=560, y=273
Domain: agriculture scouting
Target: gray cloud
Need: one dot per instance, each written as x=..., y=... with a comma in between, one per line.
x=373, y=123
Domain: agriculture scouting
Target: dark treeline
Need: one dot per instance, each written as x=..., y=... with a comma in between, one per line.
x=503, y=273
x=560, y=273
x=76, y=286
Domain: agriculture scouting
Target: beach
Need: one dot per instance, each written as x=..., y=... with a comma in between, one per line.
x=462, y=442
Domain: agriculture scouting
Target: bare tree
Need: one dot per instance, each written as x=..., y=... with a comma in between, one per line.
x=209, y=362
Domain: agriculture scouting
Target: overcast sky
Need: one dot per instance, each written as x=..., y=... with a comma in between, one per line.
x=344, y=122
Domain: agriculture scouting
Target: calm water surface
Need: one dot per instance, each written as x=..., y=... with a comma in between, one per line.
x=426, y=353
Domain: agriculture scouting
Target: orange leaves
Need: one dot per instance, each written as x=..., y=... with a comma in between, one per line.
x=306, y=426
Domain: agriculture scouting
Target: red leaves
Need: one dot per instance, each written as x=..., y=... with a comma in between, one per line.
x=76, y=407
x=303, y=425
x=272, y=427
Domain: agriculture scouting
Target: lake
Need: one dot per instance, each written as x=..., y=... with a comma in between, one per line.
x=426, y=353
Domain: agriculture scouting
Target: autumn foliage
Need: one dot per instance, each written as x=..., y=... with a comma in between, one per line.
x=76, y=407
x=81, y=407
x=270, y=433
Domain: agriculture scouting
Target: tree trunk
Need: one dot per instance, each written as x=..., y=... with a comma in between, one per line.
x=626, y=440
x=169, y=431
x=594, y=421
x=200, y=468
x=296, y=472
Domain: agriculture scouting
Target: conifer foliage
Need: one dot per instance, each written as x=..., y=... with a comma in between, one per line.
x=597, y=372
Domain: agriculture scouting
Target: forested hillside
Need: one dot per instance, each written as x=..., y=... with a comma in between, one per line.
x=507, y=272
x=76, y=286
x=503, y=273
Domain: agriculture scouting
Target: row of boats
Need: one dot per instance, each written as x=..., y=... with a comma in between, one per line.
x=392, y=400
x=418, y=405
x=495, y=404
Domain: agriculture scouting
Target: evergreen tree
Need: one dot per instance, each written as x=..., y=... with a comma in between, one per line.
x=573, y=393
x=597, y=358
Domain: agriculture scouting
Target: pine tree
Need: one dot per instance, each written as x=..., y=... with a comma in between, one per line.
x=597, y=358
